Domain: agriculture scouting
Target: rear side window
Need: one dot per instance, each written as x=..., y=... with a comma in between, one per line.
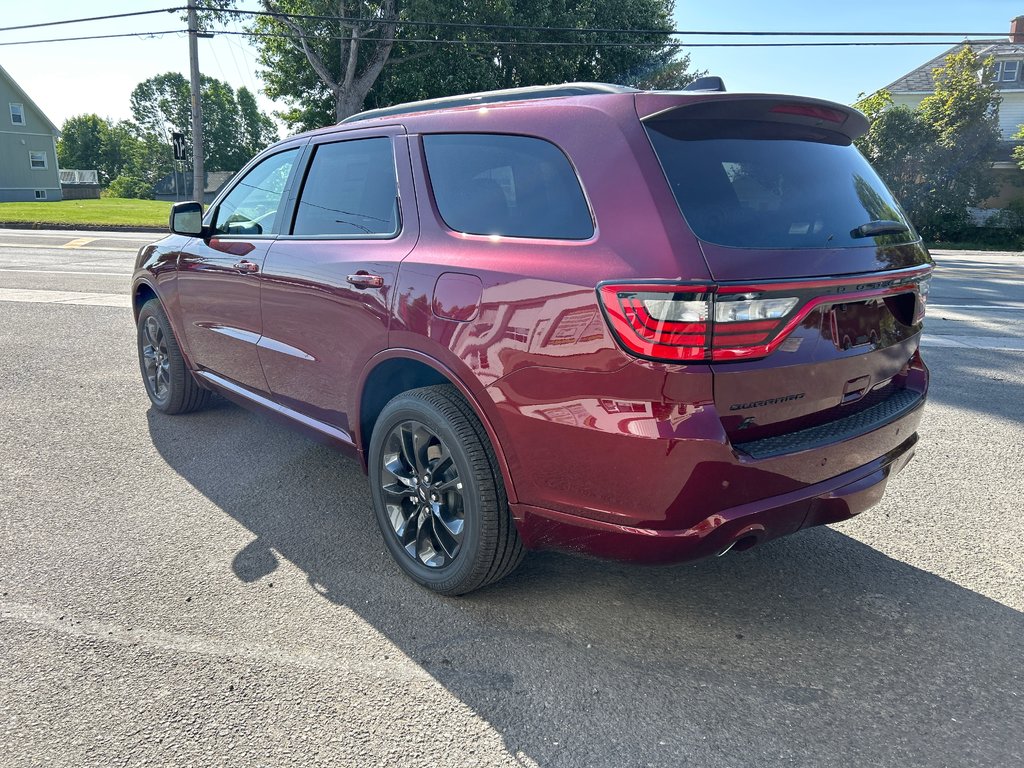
x=350, y=191
x=750, y=185
x=489, y=184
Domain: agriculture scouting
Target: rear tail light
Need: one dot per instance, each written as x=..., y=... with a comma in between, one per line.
x=922, y=299
x=707, y=322
x=688, y=323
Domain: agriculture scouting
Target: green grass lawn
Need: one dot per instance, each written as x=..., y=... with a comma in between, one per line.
x=105, y=212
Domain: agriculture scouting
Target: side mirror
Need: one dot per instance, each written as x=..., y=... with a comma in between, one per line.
x=187, y=219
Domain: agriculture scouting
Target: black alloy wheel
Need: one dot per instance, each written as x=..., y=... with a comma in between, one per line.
x=156, y=362
x=438, y=494
x=169, y=383
x=423, y=494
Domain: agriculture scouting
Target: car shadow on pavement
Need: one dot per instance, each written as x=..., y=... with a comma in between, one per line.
x=812, y=650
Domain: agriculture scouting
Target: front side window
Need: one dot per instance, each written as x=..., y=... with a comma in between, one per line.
x=37, y=160
x=516, y=186
x=17, y=114
x=251, y=207
x=350, y=191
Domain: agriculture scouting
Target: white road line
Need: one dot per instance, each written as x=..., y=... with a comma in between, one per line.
x=69, y=247
x=989, y=343
x=65, y=297
x=991, y=307
x=64, y=272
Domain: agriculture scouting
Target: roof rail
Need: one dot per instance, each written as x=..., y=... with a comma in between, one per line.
x=490, y=97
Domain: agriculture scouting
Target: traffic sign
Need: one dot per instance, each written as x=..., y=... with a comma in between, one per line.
x=178, y=142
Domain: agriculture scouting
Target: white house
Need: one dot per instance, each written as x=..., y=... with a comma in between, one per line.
x=1008, y=57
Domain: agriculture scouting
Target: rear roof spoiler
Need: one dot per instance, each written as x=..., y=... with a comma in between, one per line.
x=775, y=108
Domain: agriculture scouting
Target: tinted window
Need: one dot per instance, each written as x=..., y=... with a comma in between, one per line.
x=251, y=207
x=350, y=190
x=506, y=185
x=763, y=186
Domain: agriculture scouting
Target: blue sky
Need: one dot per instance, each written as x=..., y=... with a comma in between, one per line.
x=66, y=79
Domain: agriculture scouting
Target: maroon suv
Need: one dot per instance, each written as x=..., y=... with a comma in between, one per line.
x=645, y=326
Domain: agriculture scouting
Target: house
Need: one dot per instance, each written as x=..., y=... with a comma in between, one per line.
x=28, y=147
x=1007, y=55
x=178, y=186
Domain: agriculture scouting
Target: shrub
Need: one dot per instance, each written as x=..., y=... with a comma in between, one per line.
x=130, y=186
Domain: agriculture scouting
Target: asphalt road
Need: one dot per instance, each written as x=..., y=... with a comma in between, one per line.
x=212, y=590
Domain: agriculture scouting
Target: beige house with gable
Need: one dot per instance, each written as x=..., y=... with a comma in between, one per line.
x=28, y=147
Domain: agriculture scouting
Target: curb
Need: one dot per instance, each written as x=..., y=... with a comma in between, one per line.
x=77, y=227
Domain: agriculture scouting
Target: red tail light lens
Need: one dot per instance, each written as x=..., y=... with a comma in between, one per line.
x=666, y=322
x=688, y=323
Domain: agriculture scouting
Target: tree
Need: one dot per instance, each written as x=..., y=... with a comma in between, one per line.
x=90, y=142
x=256, y=130
x=938, y=157
x=330, y=67
x=233, y=127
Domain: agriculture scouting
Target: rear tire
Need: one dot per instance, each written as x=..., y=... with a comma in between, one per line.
x=438, y=494
x=169, y=383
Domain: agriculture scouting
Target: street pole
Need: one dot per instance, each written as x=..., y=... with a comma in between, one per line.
x=198, y=181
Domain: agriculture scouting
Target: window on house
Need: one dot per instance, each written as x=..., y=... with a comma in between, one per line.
x=1010, y=71
x=17, y=114
x=40, y=194
x=37, y=160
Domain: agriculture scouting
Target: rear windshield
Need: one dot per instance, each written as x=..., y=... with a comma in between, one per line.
x=754, y=185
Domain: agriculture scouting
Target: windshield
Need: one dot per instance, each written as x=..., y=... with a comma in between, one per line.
x=746, y=184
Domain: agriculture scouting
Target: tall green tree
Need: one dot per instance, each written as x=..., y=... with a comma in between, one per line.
x=937, y=158
x=90, y=142
x=233, y=130
x=330, y=67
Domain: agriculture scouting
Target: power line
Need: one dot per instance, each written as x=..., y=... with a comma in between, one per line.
x=588, y=44
x=91, y=18
x=526, y=43
x=509, y=27
x=607, y=30
x=96, y=37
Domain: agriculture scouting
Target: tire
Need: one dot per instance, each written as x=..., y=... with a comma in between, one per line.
x=170, y=385
x=447, y=524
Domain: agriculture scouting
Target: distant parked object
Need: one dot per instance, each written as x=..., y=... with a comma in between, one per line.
x=177, y=186
x=28, y=147
x=80, y=185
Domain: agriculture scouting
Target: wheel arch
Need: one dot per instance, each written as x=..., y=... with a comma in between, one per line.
x=142, y=292
x=398, y=370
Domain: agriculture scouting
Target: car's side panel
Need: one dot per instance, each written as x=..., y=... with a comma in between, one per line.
x=219, y=306
x=319, y=329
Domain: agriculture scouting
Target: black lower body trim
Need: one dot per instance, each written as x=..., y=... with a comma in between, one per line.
x=898, y=404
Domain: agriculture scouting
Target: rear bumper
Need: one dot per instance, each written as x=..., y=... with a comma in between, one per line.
x=743, y=526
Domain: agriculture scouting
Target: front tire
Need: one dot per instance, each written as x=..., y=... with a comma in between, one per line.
x=169, y=383
x=438, y=494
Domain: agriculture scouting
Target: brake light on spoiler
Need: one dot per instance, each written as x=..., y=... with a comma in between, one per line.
x=679, y=322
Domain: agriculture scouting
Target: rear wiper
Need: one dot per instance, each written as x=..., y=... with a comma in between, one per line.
x=879, y=227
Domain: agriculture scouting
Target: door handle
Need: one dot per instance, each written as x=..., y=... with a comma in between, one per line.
x=366, y=280
x=247, y=266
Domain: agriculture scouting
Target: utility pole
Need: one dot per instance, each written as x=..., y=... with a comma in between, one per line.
x=198, y=180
